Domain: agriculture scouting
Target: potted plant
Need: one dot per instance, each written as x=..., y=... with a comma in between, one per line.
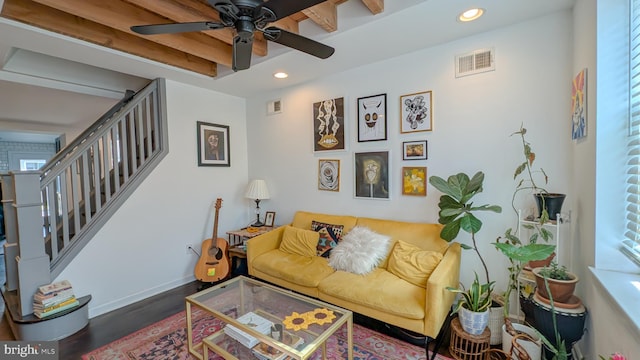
x=561, y=285
x=549, y=204
x=473, y=306
x=457, y=212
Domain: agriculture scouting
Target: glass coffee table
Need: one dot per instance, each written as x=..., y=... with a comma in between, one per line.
x=254, y=320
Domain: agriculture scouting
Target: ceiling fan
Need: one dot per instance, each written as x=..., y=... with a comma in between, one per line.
x=248, y=16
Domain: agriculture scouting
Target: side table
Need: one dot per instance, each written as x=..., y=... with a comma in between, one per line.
x=237, y=249
x=464, y=346
x=237, y=237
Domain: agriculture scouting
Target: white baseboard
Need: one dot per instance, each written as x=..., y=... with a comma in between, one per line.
x=128, y=300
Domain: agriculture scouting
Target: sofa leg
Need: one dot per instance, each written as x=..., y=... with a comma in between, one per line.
x=439, y=339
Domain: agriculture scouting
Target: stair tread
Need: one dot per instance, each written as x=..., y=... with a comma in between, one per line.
x=11, y=303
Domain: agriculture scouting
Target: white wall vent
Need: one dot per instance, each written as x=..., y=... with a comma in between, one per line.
x=274, y=107
x=475, y=62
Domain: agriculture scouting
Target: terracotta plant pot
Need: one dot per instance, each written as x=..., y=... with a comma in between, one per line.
x=561, y=290
x=541, y=263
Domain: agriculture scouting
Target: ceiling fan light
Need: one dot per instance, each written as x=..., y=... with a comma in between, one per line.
x=280, y=75
x=471, y=14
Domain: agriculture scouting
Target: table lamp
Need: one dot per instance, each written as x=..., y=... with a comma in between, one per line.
x=257, y=190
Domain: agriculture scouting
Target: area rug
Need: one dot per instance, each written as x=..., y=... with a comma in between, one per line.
x=167, y=339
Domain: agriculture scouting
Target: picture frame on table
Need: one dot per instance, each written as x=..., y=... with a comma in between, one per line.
x=372, y=175
x=414, y=150
x=213, y=144
x=372, y=118
x=416, y=112
x=269, y=218
x=414, y=180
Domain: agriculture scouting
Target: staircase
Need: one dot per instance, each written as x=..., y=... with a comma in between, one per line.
x=52, y=213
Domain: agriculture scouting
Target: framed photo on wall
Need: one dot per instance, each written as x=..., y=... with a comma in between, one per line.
x=416, y=112
x=328, y=125
x=269, y=218
x=213, y=145
x=329, y=174
x=372, y=175
x=414, y=150
x=372, y=118
x=414, y=181
x=579, y=106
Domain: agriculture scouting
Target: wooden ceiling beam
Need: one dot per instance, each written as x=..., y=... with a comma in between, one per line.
x=375, y=6
x=324, y=14
x=120, y=15
x=193, y=11
x=31, y=13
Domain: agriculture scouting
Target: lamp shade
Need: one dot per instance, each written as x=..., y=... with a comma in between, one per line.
x=257, y=190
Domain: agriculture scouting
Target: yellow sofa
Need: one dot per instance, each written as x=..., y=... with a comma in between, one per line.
x=378, y=294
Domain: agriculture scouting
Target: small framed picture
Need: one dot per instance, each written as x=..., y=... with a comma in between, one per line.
x=414, y=150
x=372, y=118
x=416, y=112
x=329, y=174
x=414, y=181
x=213, y=145
x=269, y=218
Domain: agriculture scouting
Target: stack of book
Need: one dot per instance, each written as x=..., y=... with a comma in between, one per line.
x=53, y=298
x=253, y=320
x=265, y=352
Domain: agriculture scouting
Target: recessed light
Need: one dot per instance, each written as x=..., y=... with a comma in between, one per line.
x=281, y=75
x=471, y=14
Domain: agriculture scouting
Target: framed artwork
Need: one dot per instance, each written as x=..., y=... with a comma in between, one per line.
x=213, y=145
x=414, y=181
x=416, y=112
x=328, y=125
x=372, y=175
x=414, y=150
x=372, y=118
x=269, y=218
x=329, y=175
x=579, y=106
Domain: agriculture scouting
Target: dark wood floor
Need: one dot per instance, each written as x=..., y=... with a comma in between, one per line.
x=109, y=327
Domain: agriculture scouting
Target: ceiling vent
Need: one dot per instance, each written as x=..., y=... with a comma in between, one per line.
x=274, y=107
x=475, y=62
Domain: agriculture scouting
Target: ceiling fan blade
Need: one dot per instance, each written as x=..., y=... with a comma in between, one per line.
x=298, y=42
x=176, y=27
x=241, y=53
x=284, y=8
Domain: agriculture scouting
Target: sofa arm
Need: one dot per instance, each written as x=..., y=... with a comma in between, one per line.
x=438, y=298
x=261, y=244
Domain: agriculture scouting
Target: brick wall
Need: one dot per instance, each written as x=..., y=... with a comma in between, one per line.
x=7, y=146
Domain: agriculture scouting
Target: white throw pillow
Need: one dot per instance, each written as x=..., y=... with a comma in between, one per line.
x=359, y=251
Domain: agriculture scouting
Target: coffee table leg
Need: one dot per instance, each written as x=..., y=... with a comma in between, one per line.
x=324, y=350
x=350, y=338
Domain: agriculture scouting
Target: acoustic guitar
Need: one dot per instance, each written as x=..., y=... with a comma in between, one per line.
x=213, y=264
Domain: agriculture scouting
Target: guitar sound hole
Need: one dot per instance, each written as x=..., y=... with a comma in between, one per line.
x=215, y=252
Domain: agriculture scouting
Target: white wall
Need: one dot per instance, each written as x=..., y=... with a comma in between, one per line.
x=473, y=118
x=141, y=250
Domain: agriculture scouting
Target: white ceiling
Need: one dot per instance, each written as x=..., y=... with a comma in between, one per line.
x=405, y=26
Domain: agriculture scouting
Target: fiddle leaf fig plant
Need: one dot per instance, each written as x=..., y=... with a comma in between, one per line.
x=458, y=212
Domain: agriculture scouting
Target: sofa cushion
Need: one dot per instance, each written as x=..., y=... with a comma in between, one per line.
x=413, y=264
x=301, y=270
x=330, y=235
x=299, y=241
x=359, y=251
x=379, y=289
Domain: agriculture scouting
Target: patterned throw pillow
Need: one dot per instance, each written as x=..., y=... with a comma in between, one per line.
x=330, y=235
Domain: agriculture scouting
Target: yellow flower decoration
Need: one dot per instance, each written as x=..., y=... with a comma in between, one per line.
x=321, y=316
x=297, y=321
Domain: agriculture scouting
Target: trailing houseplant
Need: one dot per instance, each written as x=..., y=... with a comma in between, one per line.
x=549, y=204
x=473, y=306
